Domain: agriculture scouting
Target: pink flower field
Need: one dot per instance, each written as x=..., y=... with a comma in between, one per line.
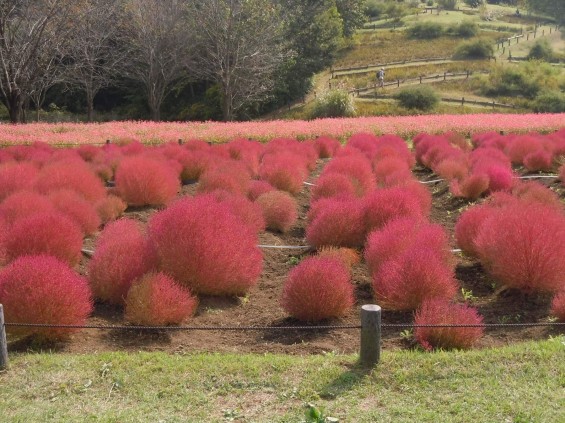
x=151, y=132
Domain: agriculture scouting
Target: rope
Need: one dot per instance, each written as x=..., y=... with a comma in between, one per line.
x=291, y=247
x=479, y=325
x=176, y=328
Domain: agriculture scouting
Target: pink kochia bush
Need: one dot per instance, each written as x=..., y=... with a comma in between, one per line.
x=248, y=212
x=16, y=177
x=156, y=299
x=523, y=246
x=332, y=185
x=43, y=289
x=318, y=288
x=23, y=204
x=558, y=306
x=205, y=247
x=326, y=147
x=284, y=171
x=279, y=210
x=256, y=188
x=357, y=168
x=336, y=222
x=437, y=311
x=467, y=228
x=45, y=233
x=418, y=273
x=143, y=181
x=77, y=208
x=383, y=205
x=123, y=253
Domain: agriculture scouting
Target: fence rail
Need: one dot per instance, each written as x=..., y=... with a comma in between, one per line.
x=371, y=328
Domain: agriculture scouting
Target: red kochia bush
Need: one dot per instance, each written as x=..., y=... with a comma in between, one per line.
x=318, y=288
x=77, y=208
x=229, y=175
x=143, y=181
x=45, y=233
x=123, y=253
x=247, y=211
x=23, y=204
x=400, y=235
x=357, y=168
x=337, y=223
x=279, y=210
x=523, y=246
x=467, y=228
x=383, y=205
x=16, y=177
x=538, y=160
x=326, y=147
x=157, y=300
x=419, y=273
x=471, y=187
x=72, y=174
x=535, y=192
x=3, y=238
x=256, y=188
x=558, y=306
x=441, y=312
x=284, y=171
x=110, y=208
x=201, y=244
x=333, y=184
x=391, y=171
x=42, y=289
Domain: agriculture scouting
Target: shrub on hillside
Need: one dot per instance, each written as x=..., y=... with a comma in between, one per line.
x=558, y=306
x=441, y=312
x=403, y=234
x=475, y=49
x=318, y=288
x=156, y=299
x=541, y=50
x=447, y=4
x=16, y=177
x=280, y=210
x=383, y=205
x=465, y=29
x=43, y=289
x=426, y=30
x=523, y=245
x=122, y=254
x=71, y=174
x=333, y=103
x=333, y=184
x=22, y=204
x=45, y=233
x=336, y=222
x=77, y=208
x=143, y=181
x=549, y=102
x=284, y=171
x=417, y=274
x=205, y=247
x=468, y=226
x=421, y=98
x=110, y=208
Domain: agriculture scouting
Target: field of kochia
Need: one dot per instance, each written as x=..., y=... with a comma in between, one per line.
x=207, y=204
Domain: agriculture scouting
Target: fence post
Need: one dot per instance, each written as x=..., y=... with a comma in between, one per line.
x=444, y=76
x=370, y=335
x=4, y=342
x=180, y=141
x=107, y=141
x=462, y=101
x=398, y=82
x=420, y=79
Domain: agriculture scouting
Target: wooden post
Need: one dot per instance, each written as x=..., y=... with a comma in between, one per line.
x=107, y=141
x=420, y=79
x=398, y=82
x=4, y=342
x=467, y=77
x=493, y=104
x=527, y=36
x=180, y=141
x=462, y=101
x=543, y=32
x=444, y=76
x=370, y=335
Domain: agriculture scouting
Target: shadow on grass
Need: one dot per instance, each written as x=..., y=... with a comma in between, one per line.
x=354, y=375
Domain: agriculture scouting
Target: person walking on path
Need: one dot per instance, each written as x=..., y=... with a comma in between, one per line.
x=381, y=77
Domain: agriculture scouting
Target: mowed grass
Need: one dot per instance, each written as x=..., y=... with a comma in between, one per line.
x=518, y=383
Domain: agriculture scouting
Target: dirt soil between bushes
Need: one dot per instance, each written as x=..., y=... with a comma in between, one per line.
x=261, y=307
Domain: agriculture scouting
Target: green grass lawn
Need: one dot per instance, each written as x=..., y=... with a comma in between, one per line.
x=518, y=383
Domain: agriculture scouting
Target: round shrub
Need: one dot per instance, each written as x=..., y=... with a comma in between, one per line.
x=549, y=102
x=110, y=208
x=71, y=174
x=230, y=176
x=284, y=171
x=205, y=247
x=425, y=30
x=336, y=222
x=326, y=146
x=250, y=213
x=534, y=192
x=42, y=289
x=348, y=256
x=280, y=210
x=256, y=188
x=143, y=181
x=523, y=245
x=421, y=98
x=441, y=312
x=318, y=288
x=16, y=177
x=419, y=273
x=541, y=50
x=333, y=103
x=45, y=233
x=475, y=49
x=24, y=204
x=156, y=299
x=472, y=187
x=77, y=208
x=452, y=169
x=558, y=306
x=391, y=171
x=333, y=184
x=467, y=228
x=538, y=160
x=357, y=168
x=122, y=254
x=384, y=205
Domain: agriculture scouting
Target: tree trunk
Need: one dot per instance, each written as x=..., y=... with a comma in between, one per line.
x=15, y=107
x=89, y=106
x=227, y=105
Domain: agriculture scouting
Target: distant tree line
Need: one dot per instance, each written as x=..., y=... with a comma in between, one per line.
x=167, y=59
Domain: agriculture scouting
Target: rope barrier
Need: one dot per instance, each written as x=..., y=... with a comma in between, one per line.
x=290, y=247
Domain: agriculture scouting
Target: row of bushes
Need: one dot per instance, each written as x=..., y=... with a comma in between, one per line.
x=428, y=30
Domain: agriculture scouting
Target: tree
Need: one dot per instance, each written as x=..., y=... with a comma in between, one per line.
x=31, y=35
x=240, y=46
x=553, y=8
x=159, y=47
x=352, y=13
x=96, y=52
